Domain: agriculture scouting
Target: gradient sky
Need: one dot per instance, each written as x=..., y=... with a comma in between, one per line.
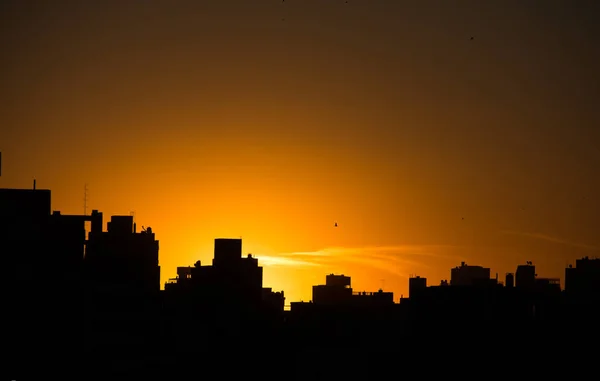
x=271, y=121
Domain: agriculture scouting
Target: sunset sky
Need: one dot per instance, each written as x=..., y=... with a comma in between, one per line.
x=273, y=120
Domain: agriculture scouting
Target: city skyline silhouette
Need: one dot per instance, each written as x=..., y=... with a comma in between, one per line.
x=308, y=258
x=391, y=142
x=13, y=197
x=99, y=293
x=220, y=120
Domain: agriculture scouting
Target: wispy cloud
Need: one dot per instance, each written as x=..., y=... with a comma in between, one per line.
x=548, y=238
x=284, y=261
x=393, y=259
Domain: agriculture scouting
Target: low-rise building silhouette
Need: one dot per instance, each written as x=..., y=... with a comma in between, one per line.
x=582, y=282
x=121, y=259
x=525, y=276
x=468, y=275
x=231, y=281
x=338, y=290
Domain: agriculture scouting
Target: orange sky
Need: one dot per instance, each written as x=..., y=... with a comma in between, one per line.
x=221, y=120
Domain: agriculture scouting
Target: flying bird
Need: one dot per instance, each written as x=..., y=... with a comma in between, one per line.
x=335, y=225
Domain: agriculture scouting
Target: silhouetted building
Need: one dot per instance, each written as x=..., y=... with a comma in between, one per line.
x=31, y=205
x=333, y=280
x=372, y=299
x=24, y=238
x=224, y=296
x=39, y=248
x=467, y=275
x=548, y=285
x=337, y=290
x=525, y=276
x=231, y=282
x=232, y=278
x=122, y=260
x=228, y=252
x=184, y=273
x=42, y=256
x=582, y=282
x=183, y=280
x=68, y=236
x=416, y=286
x=273, y=300
x=510, y=280
x=24, y=222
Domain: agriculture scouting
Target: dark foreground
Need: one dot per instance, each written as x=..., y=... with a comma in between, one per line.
x=202, y=355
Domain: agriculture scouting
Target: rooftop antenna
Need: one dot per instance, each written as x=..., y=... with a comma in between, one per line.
x=382, y=283
x=85, y=201
x=132, y=214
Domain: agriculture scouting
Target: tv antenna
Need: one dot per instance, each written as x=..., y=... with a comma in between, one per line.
x=382, y=283
x=85, y=199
